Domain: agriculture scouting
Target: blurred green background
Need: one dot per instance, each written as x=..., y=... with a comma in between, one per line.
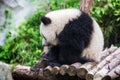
x=25, y=48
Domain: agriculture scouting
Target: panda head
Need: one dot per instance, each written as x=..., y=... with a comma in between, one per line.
x=54, y=22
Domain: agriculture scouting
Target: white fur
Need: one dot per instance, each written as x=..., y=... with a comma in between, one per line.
x=96, y=45
x=59, y=19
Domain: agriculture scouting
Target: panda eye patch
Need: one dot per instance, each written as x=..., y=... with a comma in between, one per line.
x=45, y=20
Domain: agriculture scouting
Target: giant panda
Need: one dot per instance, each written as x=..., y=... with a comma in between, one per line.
x=70, y=36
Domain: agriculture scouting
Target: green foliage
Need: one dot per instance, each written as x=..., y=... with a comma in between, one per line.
x=60, y=4
x=107, y=14
x=26, y=47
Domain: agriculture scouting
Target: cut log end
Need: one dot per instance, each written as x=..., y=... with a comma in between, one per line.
x=106, y=78
x=71, y=71
x=55, y=70
x=47, y=71
x=89, y=77
x=82, y=73
x=63, y=69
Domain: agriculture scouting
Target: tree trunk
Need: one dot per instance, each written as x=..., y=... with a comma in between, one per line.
x=86, y=5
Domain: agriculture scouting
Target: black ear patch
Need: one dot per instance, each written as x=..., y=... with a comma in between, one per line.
x=45, y=20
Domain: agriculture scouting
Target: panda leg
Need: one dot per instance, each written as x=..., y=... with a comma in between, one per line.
x=70, y=55
x=46, y=60
x=52, y=56
x=84, y=60
x=72, y=58
x=51, y=59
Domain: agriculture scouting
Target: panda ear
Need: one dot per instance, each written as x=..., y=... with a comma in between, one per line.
x=45, y=20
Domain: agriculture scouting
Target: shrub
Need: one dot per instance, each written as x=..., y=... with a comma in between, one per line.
x=26, y=47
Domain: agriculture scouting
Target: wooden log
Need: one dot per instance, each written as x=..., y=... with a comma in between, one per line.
x=47, y=71
x=24, y=73
x=88, y=66
x=104, y=62
x=89, y=77
x=108, y=67
x=106, y=78
x=115, y=72
x=83, y=70
x=107, y=51
x=55, y=70
x=72, y=70
x=108, y=58
x=104, y=53
x=112, y=49
x=63, y=69
x=81, y=73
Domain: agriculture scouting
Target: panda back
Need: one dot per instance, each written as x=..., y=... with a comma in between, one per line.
x=94, y=49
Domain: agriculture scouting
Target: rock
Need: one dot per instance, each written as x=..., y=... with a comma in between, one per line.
x=5, y=72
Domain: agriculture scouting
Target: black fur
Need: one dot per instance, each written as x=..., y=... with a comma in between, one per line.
x=74, y=38
x=53, y=56
x=45, y=20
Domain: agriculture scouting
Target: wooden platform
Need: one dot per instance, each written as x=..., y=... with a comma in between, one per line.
x=107, y=69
